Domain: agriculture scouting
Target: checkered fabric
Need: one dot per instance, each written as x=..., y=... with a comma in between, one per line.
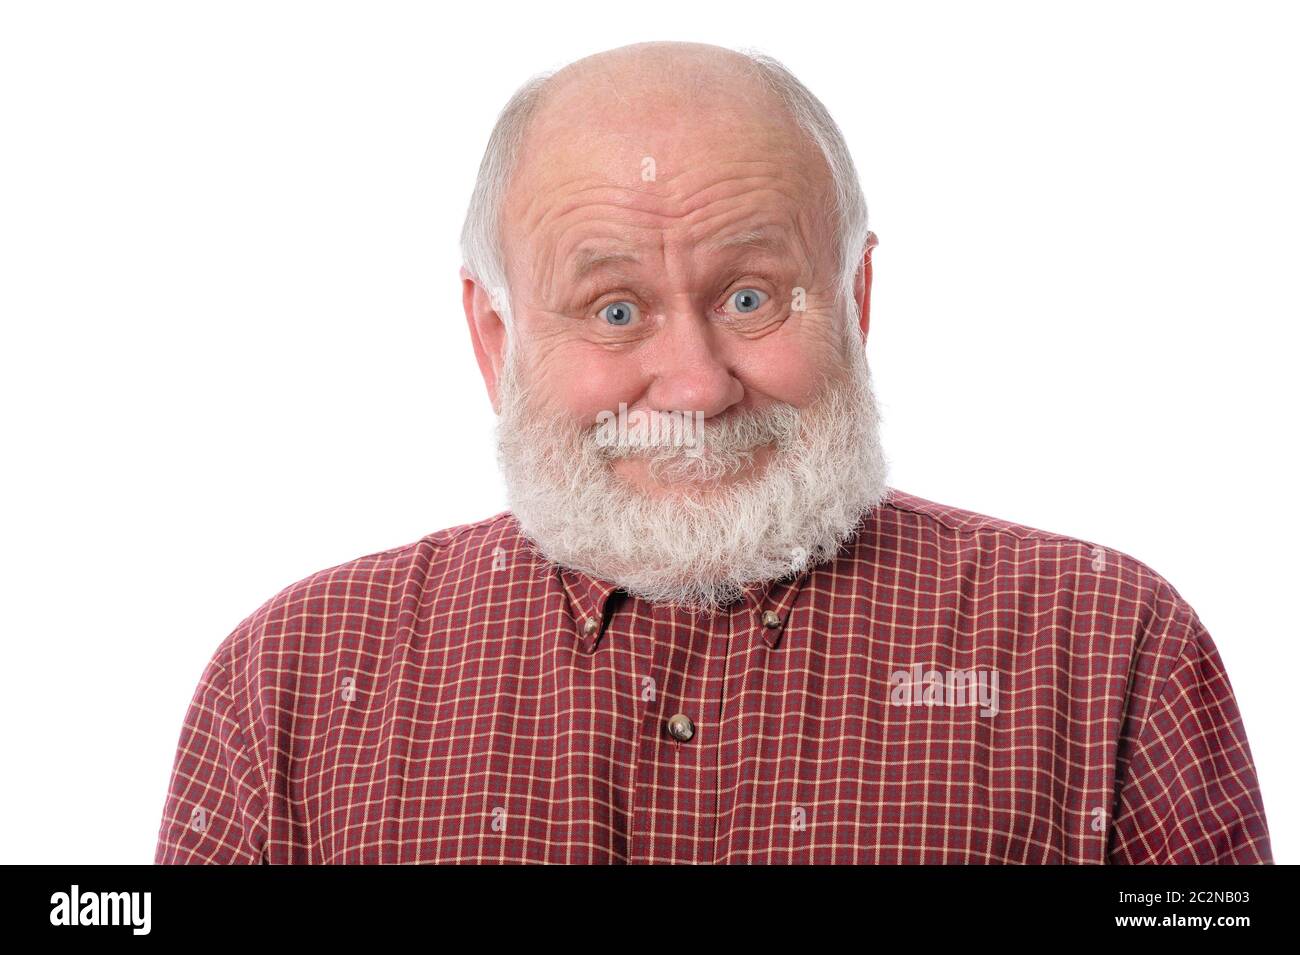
x=951, y=688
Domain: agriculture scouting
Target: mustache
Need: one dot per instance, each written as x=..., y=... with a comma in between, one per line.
x=682, y=446
x=689, y=433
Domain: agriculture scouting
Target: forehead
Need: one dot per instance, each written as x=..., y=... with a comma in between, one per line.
x=725, y=172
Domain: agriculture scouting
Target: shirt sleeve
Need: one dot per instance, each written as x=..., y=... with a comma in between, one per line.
x=214, y=812
x=1188, y=793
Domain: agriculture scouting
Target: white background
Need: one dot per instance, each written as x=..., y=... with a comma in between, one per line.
x=233, y=350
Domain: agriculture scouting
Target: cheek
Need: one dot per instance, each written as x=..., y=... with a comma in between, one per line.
x=583, y=380
x=791, y=380
x=790, y=368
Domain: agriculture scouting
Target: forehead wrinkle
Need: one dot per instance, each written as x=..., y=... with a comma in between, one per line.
x=772, y=240
x=542, y=206
x=624, y=218
x=567, y=261
x=596, y=253
x=779, y=228
x=730, y=200
x=679, y=191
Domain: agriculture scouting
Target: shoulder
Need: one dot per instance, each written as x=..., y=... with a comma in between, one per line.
x=955, y=534
x=1096, y=587
x=359, y=605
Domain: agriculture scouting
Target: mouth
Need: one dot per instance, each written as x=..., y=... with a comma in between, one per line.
x=692, y=469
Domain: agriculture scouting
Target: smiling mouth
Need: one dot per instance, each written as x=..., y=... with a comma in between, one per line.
x=698, y=468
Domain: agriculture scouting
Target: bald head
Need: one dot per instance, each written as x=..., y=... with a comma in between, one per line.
x=642, y=116
x=666, y=79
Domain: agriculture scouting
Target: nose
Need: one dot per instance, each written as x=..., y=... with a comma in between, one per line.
x=688, y=370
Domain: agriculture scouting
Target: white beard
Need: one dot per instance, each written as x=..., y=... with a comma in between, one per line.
x=692, y=547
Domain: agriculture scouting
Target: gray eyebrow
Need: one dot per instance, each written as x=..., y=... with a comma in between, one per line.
x=760, y=238
x=586, y=261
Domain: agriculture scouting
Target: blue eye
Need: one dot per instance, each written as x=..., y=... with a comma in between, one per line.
x=619, y=313
x=747, y=300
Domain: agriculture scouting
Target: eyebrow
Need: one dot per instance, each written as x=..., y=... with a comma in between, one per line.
x=749, y=239
x=586, y=261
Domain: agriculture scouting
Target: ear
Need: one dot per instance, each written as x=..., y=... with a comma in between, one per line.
x=862, y=287
x=487, y=330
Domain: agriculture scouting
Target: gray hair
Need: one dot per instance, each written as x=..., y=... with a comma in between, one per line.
x=480, y=237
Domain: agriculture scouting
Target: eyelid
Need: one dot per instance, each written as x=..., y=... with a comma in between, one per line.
x=762, y=283
x=743, y=287
x=603, y=300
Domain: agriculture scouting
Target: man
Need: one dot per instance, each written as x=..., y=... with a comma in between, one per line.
x=706, y=631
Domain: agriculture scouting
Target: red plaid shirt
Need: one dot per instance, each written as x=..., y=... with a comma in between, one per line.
x=458, y=699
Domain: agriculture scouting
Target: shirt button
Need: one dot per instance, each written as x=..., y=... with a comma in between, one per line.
x=680, y=727
x=771, y=619
x=589, y=626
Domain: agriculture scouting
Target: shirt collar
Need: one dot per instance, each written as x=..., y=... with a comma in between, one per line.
x=769, y=603
x=587, y=599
